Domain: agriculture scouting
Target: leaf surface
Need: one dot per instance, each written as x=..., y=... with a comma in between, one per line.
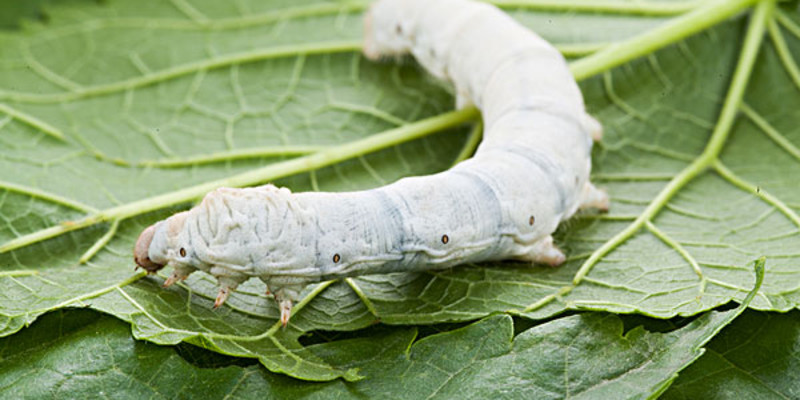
x=79, y=353
x=114, y=115
x=755, y=357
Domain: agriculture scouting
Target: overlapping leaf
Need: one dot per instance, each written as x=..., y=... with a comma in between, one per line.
x=95, y=105
x=756, y=357
x=582, y=356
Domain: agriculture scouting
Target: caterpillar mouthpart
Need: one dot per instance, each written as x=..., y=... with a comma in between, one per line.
x=140, y=251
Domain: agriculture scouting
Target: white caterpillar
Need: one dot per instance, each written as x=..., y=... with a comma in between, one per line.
x=530, y=173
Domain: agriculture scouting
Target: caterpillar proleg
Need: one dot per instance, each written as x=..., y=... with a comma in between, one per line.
x=530, y=172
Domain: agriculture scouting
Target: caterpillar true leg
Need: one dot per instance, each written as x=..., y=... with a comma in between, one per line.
x=286, y=311
x=285, y=297
x=177, y=275
x=228, y=282
x=222, y=296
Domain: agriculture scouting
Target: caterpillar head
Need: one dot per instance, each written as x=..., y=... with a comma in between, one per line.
x=141, y=252
x=388, y=29
x=164, y=243
x=234, y=234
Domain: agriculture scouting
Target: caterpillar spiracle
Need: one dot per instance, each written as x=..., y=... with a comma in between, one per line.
x=530, y=172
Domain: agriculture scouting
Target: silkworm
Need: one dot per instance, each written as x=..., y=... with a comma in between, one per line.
x=530, y=172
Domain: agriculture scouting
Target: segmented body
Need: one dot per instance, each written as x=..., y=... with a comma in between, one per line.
x=530, y=172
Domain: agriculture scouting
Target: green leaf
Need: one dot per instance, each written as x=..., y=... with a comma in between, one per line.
x=755, y=357
x=14, y=12
x=80, y=354
x=115, y=115
x=580, y=356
